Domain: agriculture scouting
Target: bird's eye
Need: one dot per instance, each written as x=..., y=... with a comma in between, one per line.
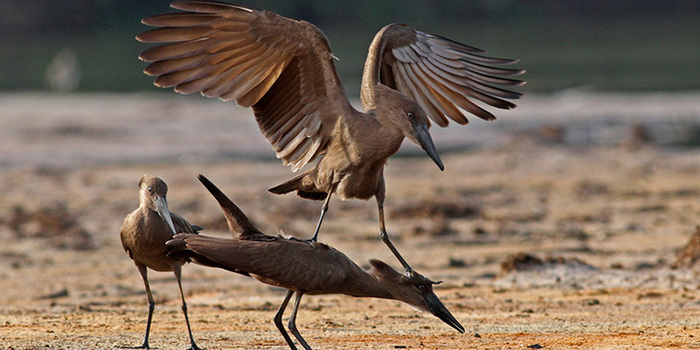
x=421, y=288
x=150, y=190
x=411, y=116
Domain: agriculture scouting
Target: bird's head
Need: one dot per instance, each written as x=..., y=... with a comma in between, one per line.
x=415, y=290
x=399, y=111
x=152, y=195
x=418, y=131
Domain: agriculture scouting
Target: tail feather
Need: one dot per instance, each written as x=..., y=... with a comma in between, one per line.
x=294, y=184
x=180, y=240
x=288, y=186
x=238, y=222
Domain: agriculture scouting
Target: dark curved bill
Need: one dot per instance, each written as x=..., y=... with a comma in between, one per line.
x=420, y=132
x=438, y=309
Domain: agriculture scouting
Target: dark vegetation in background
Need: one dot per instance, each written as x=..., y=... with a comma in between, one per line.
x=609, y=45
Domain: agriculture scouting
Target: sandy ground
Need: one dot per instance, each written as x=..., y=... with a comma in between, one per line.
x=607, y=220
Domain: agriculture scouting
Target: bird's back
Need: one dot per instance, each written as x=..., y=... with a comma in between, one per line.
x=314, y=268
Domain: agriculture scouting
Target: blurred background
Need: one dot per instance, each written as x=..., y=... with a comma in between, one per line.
x=645, y=45
x=600, y=162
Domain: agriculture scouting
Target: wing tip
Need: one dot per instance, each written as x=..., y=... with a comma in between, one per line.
x=144, y=56
x=519, y=71
x=140, y=37
x=150, y=20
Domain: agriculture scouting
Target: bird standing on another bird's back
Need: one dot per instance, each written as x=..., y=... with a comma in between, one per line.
x=303, y=267
x=283, y=68
x=143, y=235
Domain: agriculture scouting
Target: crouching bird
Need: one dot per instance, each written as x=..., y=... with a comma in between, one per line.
x=143, y=235
x=303, y=267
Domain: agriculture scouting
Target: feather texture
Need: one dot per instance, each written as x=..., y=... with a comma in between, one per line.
x=442, y=75
x=281, y=67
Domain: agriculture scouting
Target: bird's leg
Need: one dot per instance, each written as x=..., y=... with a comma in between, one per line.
x=278, y=320
x=151, y=307
x=178, y=271
x=293, y=322
x=324, y=209
x=387, y=241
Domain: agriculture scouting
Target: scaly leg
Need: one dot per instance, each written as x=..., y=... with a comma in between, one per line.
x=385, y=238
x=293, y=322
x=324, y=209
x=151, y=306
x=178, y=271
x=278, y=320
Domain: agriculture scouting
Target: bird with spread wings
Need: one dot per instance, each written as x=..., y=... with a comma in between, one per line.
x=283, y=68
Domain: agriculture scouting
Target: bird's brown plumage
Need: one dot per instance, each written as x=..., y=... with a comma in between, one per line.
x=283, y=68
x=144, y=231
x=279, y=66
x=303, y=267
x=143, y=236
x=440, y=74
x=293, y=264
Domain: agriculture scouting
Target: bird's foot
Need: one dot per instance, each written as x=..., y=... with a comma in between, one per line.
x=311, y=240
x=307, y=240
x=195, y=347
x=144, y=346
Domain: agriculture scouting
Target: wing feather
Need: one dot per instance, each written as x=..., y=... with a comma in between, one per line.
x=176, y=50
x=426, y=89
x=182, y=225
x=445, y=77
x=455, y=84
x=265, y=83
x=409, y=87
x=435, y=87
x=453, y=92
x=171, y=34
x=280, y=66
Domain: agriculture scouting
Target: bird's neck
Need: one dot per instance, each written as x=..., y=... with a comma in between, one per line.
x=371, y=73
x=389, y=110
x=148, y=210
x=367, y=285
x=145, y=200
x=151, y=216
x=379, y=142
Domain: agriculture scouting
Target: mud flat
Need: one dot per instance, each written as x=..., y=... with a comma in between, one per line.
x=542, y=241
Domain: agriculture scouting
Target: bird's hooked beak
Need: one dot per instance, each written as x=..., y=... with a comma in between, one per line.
x=437, y=308
x=422, y=135
x=162, y=209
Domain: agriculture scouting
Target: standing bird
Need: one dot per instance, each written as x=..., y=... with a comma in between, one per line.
x=303, y=267
x=283, y=68
x=144, y=233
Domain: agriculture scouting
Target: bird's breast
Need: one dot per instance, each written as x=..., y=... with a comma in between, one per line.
x=144, y=236
x=362, y=182
x=355, y=160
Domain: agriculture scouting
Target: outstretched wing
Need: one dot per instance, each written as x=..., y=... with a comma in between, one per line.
x=280, y=66
x=442, y=75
